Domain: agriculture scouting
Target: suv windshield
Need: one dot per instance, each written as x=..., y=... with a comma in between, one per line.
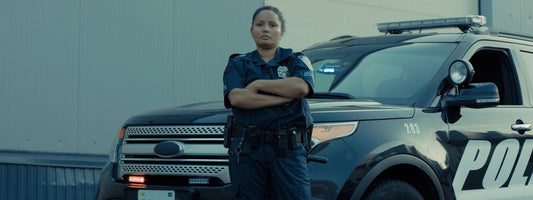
x=387, y=73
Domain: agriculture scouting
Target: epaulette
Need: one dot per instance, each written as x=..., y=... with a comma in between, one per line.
x=235, y=55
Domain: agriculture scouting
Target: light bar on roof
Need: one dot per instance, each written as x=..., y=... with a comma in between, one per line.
x=463, y=23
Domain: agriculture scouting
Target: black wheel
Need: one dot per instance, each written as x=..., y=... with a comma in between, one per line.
x=394, y=190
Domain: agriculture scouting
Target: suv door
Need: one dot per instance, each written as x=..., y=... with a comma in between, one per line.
x=525, y=58
x=493, y=159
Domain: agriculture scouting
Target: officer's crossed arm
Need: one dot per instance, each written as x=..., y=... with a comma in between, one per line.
x=247, y=99
x=283, y=90
x=293, y=87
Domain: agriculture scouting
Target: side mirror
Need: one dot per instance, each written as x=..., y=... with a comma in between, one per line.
x=474, y=95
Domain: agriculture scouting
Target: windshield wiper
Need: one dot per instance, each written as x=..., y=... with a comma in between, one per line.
x=331, y=95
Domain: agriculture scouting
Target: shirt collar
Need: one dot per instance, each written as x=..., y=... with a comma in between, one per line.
x=281, y=54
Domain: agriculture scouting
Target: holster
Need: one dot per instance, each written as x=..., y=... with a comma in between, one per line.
x=228, y=131
x=255, y=138
x=282, y=142
x=293, y=139
x=306, y=139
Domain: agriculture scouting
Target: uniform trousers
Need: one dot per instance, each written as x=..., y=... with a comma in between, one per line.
x=262, y=174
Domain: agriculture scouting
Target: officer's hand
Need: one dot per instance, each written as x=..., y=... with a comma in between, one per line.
x=253, y=86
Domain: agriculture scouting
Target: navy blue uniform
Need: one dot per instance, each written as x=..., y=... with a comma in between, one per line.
x=259, y=173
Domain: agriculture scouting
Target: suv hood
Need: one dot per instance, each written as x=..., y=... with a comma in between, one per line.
x=323, y=110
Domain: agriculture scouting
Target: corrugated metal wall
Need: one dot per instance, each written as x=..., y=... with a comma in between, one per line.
x=20, y=182
x=58, y=176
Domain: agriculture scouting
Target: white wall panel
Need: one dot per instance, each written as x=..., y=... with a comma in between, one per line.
x=506, y=12
x=71, y=72
x=310, y=21
x=39, y=75
x=509, y=15
x=126, y=65
x=527, y=17
x=206, y=34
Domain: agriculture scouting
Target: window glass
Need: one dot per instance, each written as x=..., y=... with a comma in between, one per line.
x=527, y=57
x=387, y=73
x=528, y=61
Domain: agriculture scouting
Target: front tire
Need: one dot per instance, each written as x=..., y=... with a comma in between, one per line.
x=394, y=190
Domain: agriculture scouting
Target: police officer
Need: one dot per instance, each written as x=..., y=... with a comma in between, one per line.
x=265, y=89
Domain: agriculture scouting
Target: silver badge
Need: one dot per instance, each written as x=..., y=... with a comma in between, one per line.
x=283, y=72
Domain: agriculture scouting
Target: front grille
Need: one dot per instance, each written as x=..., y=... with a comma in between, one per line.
x=175, y=130
x=203, y=153
x=173, y=169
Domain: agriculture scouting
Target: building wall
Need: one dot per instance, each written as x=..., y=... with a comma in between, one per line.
x=309, y=21
x=71, y=71
x=48, y=176
x=514, y=15
x=40, y=182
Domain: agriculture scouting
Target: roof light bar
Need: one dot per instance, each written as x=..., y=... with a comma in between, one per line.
x=463, y=23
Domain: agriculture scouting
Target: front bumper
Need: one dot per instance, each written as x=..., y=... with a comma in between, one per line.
x=109, y=189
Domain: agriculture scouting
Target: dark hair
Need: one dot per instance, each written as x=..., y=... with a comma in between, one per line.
x=273, y=9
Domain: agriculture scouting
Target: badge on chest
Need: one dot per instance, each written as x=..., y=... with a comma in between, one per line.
x=283, y=72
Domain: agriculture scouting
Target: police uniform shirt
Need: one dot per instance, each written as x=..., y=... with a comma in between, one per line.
x=243, y=70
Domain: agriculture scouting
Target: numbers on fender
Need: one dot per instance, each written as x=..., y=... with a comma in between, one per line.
x=412, y=128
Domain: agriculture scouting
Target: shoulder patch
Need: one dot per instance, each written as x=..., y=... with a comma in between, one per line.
x=306, y=61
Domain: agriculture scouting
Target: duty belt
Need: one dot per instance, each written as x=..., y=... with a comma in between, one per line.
x=267, y=137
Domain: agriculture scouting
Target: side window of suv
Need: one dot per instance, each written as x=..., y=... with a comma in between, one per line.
x=527, y=57
x=493, y=65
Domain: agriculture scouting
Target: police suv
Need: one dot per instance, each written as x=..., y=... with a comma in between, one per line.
x=404, y=115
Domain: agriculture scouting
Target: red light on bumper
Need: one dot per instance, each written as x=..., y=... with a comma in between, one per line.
x=136, y=179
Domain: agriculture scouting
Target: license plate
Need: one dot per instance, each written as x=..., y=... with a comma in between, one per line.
x=156, y=195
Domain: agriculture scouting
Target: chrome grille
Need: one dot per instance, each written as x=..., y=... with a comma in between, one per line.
x=203, y=156
x=175, y=130
x=173, y=169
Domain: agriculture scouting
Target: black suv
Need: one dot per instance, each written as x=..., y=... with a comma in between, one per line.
x=400, y=116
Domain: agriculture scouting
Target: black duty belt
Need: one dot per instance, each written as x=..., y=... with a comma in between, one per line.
x=266, y=137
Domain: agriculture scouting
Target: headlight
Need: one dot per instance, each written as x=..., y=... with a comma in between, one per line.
x=113, y=155
x=323, y=132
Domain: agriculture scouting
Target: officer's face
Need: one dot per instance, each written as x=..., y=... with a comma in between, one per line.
x=266, y=30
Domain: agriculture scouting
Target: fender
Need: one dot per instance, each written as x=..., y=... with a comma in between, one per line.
x=390, y=162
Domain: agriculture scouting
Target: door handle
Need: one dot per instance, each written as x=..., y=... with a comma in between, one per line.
x=521, y=127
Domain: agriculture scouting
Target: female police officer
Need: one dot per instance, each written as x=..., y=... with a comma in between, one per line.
x=265, y=89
